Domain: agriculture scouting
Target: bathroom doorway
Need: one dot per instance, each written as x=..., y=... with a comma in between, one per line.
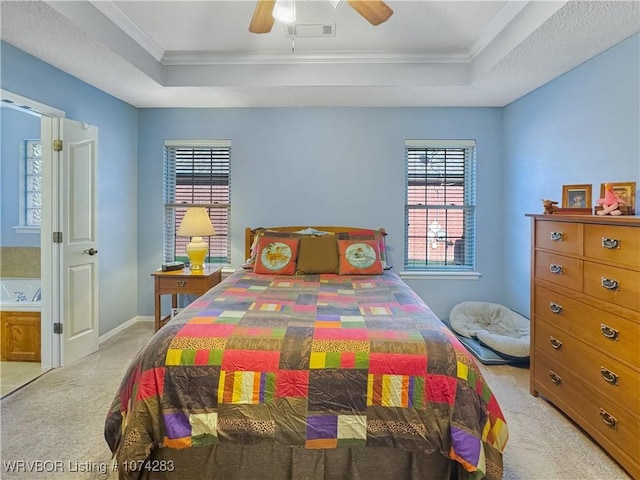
x=68, y=264
x=20, y=247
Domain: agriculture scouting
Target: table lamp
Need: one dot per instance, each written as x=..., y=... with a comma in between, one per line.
x=196, y=224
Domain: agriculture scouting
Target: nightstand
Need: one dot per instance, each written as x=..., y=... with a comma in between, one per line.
x=183, y=281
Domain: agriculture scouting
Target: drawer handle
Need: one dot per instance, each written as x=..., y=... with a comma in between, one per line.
x=609, y=332
x=609, y=376
x=181, y=283
x=555, y=378
x=610, y=283
x=555, y=308
x=557, y=269
x=610, y=243
x=555, y=343
x=607, y=418
x=555, y=236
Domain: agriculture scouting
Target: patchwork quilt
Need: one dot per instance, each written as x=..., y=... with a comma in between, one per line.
x=316, y=361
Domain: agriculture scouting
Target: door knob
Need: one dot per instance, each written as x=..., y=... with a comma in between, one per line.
x=90, y=251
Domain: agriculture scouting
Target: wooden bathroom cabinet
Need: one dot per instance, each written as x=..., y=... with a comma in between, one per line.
x=20, y=336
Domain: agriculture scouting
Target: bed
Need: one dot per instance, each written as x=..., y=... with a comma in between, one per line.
x=324, y=373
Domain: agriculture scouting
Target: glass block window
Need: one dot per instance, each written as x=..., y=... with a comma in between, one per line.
x=31, y=184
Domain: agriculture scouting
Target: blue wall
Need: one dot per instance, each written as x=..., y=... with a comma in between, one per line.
x=15, y=127
x=346, y=166
x=325, y=166
x=117, y=124
x=581, y=128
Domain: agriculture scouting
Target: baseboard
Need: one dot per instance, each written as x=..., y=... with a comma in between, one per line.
x=124, y=326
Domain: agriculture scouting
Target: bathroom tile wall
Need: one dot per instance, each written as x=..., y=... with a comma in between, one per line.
x=20, y=262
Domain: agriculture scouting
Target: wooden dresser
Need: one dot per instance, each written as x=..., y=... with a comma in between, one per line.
x=585, y=326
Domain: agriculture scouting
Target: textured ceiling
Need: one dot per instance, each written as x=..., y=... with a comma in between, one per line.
x=429, y=53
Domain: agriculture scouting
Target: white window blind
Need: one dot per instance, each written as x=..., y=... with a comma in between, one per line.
x=197, y=173
x=440, y=205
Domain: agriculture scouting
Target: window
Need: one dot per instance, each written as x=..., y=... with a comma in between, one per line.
x=440, y=205
x=197, y=173
x=31, y=184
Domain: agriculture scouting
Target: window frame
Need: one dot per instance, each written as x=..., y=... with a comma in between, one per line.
x=466, y=269
x=172, y=207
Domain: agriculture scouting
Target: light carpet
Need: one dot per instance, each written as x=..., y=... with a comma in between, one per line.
x=58, y=420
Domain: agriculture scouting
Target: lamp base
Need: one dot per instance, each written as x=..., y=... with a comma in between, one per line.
x=197, y=251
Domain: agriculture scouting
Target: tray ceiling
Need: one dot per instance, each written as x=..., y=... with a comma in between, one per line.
x=429, y=53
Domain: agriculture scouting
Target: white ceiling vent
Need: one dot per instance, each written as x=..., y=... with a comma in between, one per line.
x=310, y=30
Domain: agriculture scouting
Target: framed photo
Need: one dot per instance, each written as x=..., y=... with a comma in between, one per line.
x=576, y=196
x=626, y=193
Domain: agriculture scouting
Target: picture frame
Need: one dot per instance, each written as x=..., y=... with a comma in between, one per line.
x=576, y=196
x=626, y=193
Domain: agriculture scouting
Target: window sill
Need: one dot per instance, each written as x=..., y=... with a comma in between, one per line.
x=433, y=275
x=24, y=229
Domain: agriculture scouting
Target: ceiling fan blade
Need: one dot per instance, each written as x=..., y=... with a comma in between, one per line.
x=262, y=20
x=375, y=12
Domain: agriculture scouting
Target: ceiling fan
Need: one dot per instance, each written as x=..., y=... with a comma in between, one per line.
x=375, y=12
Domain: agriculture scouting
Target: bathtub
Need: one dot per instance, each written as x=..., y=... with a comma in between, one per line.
x=20, y=295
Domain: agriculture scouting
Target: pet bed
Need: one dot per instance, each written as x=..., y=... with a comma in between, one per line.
x=482, y=353
x=495, y=327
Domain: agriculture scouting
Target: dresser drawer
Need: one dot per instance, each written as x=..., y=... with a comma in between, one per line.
x=613, y=244
x=612, y=284
x=613, y=379
x=558, y=236
x=603, y=414
x=614, y=335
x=560, y=270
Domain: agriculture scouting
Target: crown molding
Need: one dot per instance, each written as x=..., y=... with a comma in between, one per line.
x=113, y=13
x=497, y=25
x=194, y=58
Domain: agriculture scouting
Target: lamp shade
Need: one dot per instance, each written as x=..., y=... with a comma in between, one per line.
x=196, y=223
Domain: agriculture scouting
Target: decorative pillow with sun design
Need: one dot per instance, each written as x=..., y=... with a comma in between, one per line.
x=276, y=256
x=359, y=257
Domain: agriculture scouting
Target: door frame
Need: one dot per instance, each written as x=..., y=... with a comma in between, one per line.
x=50, y=343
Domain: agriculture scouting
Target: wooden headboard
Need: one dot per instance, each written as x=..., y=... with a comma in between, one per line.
x=250, y=232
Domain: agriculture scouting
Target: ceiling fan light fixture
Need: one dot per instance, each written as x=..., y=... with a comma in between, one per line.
x=285, y=11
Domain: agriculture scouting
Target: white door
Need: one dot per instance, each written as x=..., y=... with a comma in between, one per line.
x=79, y=259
